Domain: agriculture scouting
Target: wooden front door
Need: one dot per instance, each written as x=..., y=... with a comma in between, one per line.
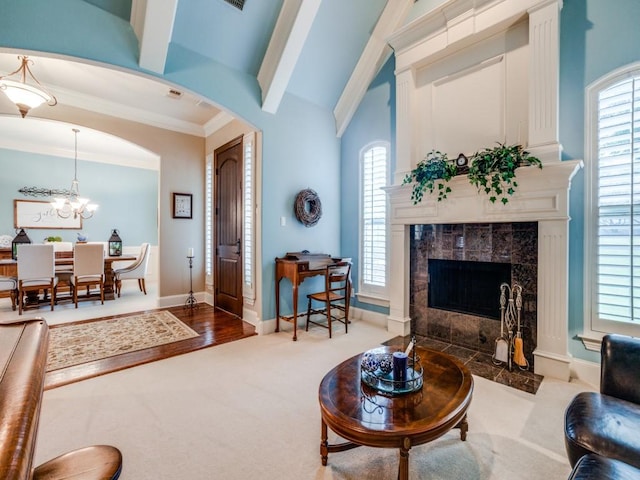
x=228, y=225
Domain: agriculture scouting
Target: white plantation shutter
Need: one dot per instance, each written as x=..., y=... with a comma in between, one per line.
x=373, y=258
x=248, y=218
x=617, y=194
x=208, y=235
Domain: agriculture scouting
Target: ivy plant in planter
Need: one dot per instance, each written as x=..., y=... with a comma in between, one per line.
x=432, y=173
x=492, y=170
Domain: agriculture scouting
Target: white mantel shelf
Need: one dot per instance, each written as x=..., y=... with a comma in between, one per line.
x=541, y=195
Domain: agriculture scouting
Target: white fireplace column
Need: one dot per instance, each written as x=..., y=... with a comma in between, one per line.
x=551, y=353
x=544, y=74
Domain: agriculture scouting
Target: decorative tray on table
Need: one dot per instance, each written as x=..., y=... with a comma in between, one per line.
x=376, y=371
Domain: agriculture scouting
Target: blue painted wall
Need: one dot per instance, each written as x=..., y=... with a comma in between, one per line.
x=373, y=121
x=127, y=197
x=300, y=148
x=595, y=39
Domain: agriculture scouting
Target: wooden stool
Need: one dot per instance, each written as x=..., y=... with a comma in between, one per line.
x=98, y=462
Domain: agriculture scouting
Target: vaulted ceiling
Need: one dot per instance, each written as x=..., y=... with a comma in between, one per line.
x=324, y=51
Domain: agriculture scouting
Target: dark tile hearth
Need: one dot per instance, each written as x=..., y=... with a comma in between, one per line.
x=478, y=363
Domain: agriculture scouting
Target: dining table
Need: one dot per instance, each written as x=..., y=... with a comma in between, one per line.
x=9, y=267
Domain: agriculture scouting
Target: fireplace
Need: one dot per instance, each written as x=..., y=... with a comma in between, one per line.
x=469, y=74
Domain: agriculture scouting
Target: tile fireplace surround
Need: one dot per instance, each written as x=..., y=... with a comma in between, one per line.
x=515, y=244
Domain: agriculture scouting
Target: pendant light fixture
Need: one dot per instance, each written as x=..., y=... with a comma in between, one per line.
x=73, y=203
x=25, y=91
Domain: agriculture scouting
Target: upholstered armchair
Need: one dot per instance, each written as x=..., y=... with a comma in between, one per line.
x=608, y=423
x=137, y=270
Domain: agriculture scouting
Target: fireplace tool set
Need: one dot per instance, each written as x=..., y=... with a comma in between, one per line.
x=509, y=346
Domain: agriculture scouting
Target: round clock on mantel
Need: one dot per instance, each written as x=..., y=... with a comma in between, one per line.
x=462, y=160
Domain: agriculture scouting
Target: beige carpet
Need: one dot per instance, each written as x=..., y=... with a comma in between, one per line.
x=74, y=344
x=249, y=410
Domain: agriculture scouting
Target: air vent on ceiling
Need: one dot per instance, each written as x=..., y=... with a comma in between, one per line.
x=173, y=93
x=236, y=3
x=203, y=104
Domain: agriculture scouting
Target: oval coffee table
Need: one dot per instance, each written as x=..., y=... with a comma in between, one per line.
x=363, y=416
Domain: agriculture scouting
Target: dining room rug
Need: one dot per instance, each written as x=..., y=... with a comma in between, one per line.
x=78, y=343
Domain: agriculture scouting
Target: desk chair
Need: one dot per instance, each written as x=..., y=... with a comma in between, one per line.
x=36, y=271
x=9, y=285
x=334, y=298
x=88, y=269
x=137, y=270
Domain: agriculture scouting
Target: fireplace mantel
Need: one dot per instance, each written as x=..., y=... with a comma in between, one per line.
x=541, y=195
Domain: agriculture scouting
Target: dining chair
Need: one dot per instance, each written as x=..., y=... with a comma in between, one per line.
x=137, y=270
x=63, y=250
x=36, y=271
x=88, y=270
x=334, y=298
x=9, y=285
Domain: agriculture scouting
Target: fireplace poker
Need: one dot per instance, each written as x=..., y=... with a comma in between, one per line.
x=518, y=354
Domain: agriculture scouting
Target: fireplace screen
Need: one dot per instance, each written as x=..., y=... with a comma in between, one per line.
x=467, y=287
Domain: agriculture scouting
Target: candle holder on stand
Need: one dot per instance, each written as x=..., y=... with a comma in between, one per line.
x=191, y=302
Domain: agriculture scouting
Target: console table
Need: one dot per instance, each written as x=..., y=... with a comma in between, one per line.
x=297, y=267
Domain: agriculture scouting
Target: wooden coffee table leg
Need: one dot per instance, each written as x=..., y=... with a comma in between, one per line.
x=324, y=444
x=325, y=448
x=464, y=427
x=403, y=467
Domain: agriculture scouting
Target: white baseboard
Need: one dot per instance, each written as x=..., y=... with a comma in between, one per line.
x=374, y=318
x=587, y=372
x=355, y=315
x=175, y=300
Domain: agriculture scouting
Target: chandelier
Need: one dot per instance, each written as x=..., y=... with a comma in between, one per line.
x=73, y=203
x=25, y=95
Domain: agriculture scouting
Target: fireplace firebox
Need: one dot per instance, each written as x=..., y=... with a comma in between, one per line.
x=467, y=287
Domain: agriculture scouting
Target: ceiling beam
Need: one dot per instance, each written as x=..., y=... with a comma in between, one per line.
x=152, y=22
x=289, y=35
x=375, y=54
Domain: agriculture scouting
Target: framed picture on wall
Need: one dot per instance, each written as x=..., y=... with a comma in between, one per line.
x=182, y=204
x=38, y=214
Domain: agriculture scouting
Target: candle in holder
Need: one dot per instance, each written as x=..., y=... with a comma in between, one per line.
x=190, y=252
x=400, y=369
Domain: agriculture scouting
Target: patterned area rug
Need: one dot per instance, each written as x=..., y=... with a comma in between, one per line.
x=75, y=344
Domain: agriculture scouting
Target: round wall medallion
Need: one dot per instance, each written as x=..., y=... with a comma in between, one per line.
x=307, y=207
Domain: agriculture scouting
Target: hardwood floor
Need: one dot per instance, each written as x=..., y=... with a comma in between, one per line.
x=214, y=326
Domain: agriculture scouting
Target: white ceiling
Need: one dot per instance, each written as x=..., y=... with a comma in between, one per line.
x=324, y=51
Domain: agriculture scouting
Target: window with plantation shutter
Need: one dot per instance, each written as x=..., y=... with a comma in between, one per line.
x=374, y=174
x=208, y=234
x=248, y=205
x=613, y=205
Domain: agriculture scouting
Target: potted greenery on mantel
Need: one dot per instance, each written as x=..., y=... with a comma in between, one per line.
x=492, y=171
x=432, y=173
